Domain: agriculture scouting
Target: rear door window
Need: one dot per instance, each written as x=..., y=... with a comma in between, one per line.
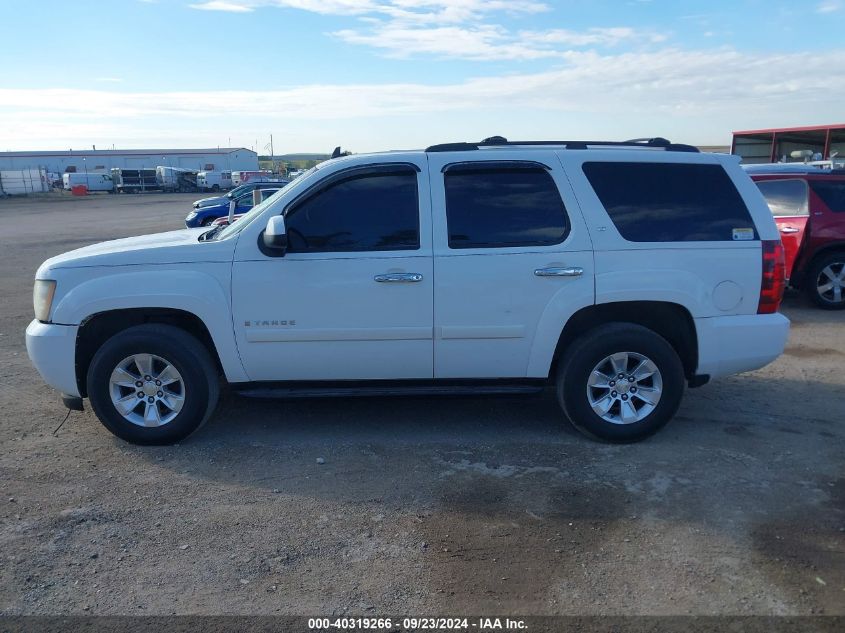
x=671, y=202
x=832, y=193
x=785, y=197
x=490, y=205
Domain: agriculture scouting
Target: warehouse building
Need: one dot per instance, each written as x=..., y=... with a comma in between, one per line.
x=215, y=159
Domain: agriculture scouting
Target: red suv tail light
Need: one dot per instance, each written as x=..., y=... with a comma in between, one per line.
x=773, y=279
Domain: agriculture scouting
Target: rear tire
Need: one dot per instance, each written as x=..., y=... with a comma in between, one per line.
x=167, y=411
x=825, y=282
x=601, y=404
x=215, y=188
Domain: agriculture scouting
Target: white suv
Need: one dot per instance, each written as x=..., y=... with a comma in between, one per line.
x=616, y=272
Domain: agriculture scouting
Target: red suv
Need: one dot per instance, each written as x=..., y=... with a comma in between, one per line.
x=809, y=208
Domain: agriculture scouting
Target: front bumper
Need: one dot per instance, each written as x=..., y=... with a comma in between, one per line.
x=52, y=350
x=734, y=344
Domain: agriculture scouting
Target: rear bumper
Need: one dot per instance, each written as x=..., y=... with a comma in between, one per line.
x=734, y=344
x=52, y=350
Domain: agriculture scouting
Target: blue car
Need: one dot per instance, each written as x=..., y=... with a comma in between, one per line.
x=209, y=209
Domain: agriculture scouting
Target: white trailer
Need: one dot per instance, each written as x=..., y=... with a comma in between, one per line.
x=22, y=181
x=214, y=180
x=176, y=178
x=240, y=177
x=95, y=181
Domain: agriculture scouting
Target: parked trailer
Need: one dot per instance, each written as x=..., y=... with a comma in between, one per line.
x=95, y=181
x=23, y=181
x=214, y=180
x=135, y=180
x=176, y=178
x=240, y=177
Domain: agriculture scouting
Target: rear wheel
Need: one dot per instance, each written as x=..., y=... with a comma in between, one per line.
x=215, y=188
x=825, y=282
x=620, y=382
x=152, y=384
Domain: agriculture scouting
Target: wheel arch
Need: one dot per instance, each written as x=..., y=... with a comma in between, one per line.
x=828, y=249
x=672, y=321
x=99, y=327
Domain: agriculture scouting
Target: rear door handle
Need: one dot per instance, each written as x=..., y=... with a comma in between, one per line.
x=788, y=229
x=572, y=271
x=398, y=278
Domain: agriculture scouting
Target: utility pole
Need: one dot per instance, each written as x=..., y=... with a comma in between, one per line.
x=272, y=154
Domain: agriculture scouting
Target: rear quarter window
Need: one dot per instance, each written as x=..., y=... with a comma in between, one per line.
x=671, y=202
x=832, y=193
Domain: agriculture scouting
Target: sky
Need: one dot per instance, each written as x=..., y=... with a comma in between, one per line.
x=394, y=74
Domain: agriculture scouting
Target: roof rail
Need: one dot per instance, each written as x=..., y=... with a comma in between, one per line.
x=500, y=141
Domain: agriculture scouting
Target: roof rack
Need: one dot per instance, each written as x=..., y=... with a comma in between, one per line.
x=500, y=141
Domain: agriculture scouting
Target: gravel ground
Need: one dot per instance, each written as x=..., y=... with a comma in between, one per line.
x=420, y=505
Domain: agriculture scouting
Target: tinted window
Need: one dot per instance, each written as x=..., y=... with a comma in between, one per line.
x=370, y=212
x=668, y=202
x=785, y=197
x=832, y=193
x=498, y=207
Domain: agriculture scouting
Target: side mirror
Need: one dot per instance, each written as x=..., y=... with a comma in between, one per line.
x=275, y=235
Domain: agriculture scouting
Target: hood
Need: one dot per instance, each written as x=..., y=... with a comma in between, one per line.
x=208, y=202
x=173, y=247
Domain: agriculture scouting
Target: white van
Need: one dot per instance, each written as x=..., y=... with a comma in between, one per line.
x=94, y=181
x=214, y=180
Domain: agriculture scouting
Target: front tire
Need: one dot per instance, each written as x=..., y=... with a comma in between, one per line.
x=152, y=384
x=620, y=382
x=825, y=282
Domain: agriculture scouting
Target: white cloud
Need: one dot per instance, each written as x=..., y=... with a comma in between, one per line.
x=704, y=94
x=420, y=11
x=487, y=41
x=223, y=5
x=831, y=6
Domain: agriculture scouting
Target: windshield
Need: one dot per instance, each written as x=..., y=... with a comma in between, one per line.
x=236, y=227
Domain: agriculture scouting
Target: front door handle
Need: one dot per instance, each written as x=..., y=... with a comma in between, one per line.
x=788, y=229
x=572, y=271
x=399, y=278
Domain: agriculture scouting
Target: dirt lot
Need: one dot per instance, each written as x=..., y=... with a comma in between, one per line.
x=423, y=506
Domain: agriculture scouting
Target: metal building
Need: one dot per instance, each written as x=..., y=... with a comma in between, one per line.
x=778, y=144
x=215, y=159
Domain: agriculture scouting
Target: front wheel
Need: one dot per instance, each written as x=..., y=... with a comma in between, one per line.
x=826, y=282
x=620, y=382
x=152, y=384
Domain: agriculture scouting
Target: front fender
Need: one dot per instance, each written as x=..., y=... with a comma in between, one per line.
x=204, y=294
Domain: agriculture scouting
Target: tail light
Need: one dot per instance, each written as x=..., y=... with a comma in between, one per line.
x=773, y=279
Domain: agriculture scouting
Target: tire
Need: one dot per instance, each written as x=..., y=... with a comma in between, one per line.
x=590, y=352
x=208, y=221
x=198, y=384
x=819, y=276
x=215, y=188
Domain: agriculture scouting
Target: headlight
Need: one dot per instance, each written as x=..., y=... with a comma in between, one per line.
x=42, y=298
x=191, y=215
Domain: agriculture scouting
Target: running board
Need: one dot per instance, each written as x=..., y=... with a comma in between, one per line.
x=312, y=391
